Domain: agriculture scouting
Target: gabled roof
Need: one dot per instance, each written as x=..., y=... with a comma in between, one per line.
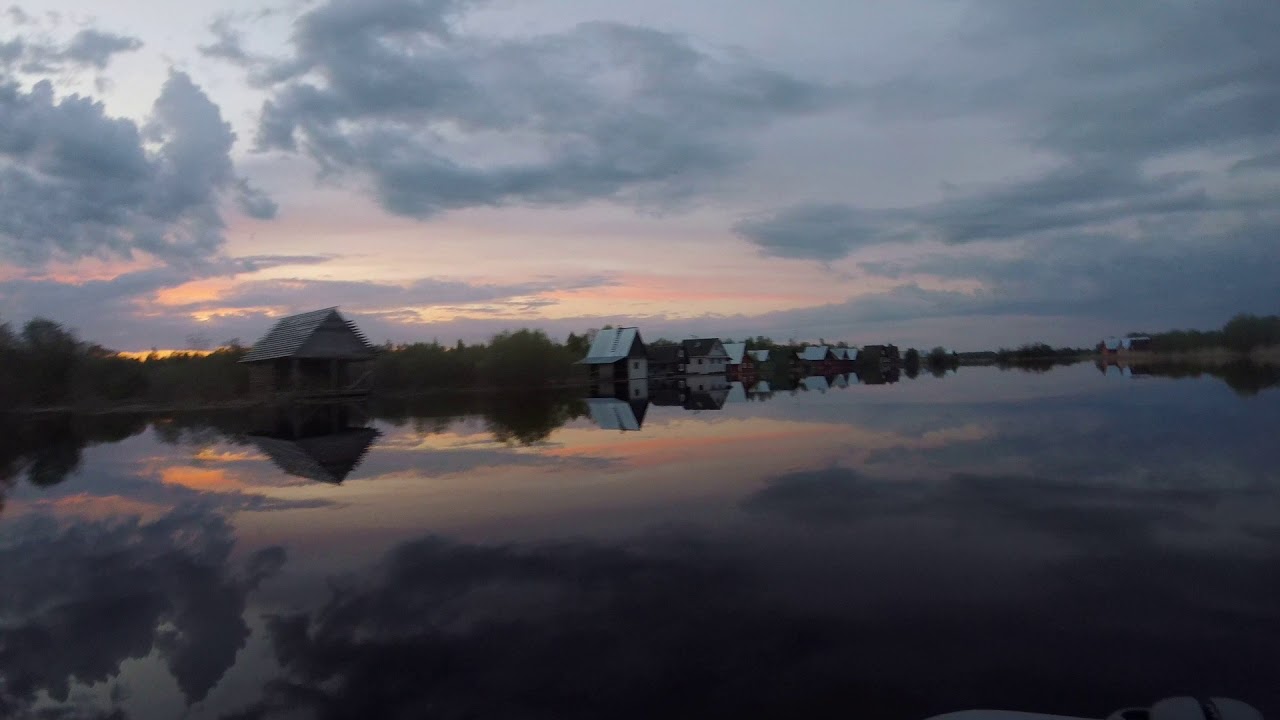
x=613, y=414
x=611, y=345
x=814, y=353
x=735, y=351
x=290, y=334
x=761, y=387
x=737, y=393
x=324, y=458
x=759, y=355
x=700, y=347
x=664, y=354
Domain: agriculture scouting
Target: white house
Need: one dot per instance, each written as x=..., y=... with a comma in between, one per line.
x=705, y=356
x=617, y=354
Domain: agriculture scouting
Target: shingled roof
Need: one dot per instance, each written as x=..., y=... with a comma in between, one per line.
x=700, y=347
x=289, y=336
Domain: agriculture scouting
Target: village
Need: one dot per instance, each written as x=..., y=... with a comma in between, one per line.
x=625, y=375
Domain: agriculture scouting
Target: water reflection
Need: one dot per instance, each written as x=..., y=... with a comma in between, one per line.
x=1072, y=542
x=321, y=442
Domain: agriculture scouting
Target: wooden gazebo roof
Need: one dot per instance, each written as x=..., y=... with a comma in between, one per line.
x=289, y=338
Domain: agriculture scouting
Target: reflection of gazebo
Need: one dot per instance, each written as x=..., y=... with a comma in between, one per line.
x=328, y=458
x=317, y=442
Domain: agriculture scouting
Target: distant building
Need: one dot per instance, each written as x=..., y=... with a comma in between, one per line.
x=314, y=354
x=617, y=354
x=819, y=359
x=665, y=360
x=704, y=356
x=1116, y=345
x=760, y=357
x=886, y=355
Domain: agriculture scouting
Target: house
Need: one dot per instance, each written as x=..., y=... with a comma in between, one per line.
x=877, y=355
x=617, y=354
x=704, y=356
x=1138, y=343
x=615, y=414
x=818, y=359
x=1109, y=346
x=313, y=354
x=741, y=362
x=759, y=357
x=761, y=388
x=665, y=360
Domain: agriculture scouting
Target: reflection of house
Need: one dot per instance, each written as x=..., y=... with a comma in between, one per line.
x=706, y=399
x=704, y=356
x=617, y=354
x=706, y=383
x=841, y=381
x=845, y=354
x=814, y=383
x=317, y=353
x=317, y=442
x=761, y=388
x=737, y=393
x=616, y=414
x=669, y=395
x=665, y=360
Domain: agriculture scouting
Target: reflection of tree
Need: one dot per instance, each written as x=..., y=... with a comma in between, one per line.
x=527, y=418
x=81, y=600
x=47, y=448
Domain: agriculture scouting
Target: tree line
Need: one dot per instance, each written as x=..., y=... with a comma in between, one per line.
x=1243, y=333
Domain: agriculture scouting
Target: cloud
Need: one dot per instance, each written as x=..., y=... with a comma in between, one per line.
x=433, y=120
x=78, y=183
x=165, y=586
x=815, y=232
x=95, y=47
x=89, y=48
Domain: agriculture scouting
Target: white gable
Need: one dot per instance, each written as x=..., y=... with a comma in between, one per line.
x=815, y=382
x=737, y=393
x=759, y=355
x=735, y=351
x=814, y=353
x=611, y=345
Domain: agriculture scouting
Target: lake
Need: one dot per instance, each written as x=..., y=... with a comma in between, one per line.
x=1068, y=541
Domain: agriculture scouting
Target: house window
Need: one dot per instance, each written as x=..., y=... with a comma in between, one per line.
x=635, y=365
x=637, y=392
x=699, y=361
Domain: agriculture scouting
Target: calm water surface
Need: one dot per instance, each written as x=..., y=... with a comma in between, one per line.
x=1067, y=541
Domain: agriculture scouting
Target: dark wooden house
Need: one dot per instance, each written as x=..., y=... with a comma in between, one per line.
x=315, y=354
x=665, y=360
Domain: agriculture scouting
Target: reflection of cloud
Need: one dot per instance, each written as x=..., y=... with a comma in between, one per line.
x=79, y=600
x=773, y=625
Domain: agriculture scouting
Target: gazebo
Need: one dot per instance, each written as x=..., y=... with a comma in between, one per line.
x=314, y=354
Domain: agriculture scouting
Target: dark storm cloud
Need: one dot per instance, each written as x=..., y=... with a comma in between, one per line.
x=434, y=120
x=82, y=599
x=78, y=183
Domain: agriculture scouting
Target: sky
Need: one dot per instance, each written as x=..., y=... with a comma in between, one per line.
x=964, y=174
